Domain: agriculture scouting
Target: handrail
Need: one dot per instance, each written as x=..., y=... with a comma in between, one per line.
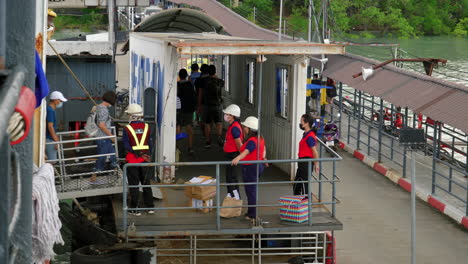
x=9, y=94
x=218, y=185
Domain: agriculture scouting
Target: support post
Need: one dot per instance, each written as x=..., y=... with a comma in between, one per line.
x=2, y=34
x=369, y=131
x=254, y=14
x=124, y=203
x=218, y=198
x=359, y=122
x=380, y=119
x=309, y=191
x=259, y=111
x=413, y=208
x=340, y=94
x=5, y=161
x=280, y=20
x=404, y=162
x=334, y=190
x=309, y=29
x=111, y=30
x=20, y=50
x=434, y=155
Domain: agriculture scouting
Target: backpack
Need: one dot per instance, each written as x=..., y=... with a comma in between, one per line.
x=212, y=91
x=91, y=127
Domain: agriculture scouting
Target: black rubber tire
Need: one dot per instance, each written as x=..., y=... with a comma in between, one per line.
x=83, y=256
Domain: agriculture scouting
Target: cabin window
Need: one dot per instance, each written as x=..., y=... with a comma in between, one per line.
x=225, y=73
x=282, y=91
x=250, y=69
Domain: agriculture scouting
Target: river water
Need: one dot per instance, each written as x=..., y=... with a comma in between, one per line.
x=453, y=49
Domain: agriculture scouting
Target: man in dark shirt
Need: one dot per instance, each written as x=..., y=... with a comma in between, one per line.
x=186, y=93
x=210, y=96
x=314, y=102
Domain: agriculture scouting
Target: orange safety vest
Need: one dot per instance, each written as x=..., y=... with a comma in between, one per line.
x=253, y=155
x=304, y=149
x=230, y=143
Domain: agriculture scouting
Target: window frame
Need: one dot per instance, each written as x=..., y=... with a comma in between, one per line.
x=283, y=84
x=250, y=81
x=225, y=69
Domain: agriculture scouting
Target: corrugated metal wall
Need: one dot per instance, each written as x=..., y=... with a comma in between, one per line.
x=96, y=74
x=277, y=131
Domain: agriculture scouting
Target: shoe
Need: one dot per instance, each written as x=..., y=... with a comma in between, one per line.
x=134, y=213
x=220, y=141
x=208, y=145
x=150, y=212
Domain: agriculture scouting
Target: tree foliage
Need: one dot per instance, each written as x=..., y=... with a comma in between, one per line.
x=404, y=18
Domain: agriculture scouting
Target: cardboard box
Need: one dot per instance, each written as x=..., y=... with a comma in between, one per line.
x=197, y=204
x=201, y=192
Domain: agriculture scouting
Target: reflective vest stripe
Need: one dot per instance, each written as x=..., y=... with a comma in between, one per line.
x=139, y=145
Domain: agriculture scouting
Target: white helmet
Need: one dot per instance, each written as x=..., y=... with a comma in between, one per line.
x=233, y=109
x=251, y=122
x=135, y=110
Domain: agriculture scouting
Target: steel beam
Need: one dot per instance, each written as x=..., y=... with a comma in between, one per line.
x=258, y=49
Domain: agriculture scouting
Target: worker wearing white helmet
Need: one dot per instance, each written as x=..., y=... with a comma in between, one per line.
x=138, y=146
x=253, y=149
x=232, y=146
x=56, y=101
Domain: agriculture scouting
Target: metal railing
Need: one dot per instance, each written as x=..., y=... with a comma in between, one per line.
x=449, y=159
x=318, y=180
x=71, y=159
x=313, y=247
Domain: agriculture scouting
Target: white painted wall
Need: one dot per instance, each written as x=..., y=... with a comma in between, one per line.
x=155, y=52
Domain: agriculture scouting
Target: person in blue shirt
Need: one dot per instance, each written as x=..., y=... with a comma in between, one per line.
x=194, y=74
x=56, y=101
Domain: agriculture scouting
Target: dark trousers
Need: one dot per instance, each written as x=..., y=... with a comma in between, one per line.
x=104, y=146
x=301, y=175
x=231, y=175
x=135, y=175
x=249, y=174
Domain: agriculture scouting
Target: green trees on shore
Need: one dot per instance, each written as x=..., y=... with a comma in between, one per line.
x=403, y=18
x=87, y=20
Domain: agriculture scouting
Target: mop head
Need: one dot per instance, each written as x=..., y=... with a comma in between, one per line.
x=46, y=223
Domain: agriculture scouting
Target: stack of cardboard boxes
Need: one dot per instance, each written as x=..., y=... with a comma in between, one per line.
x=201, y=196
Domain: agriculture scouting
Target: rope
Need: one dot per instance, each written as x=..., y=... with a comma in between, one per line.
x=16, y=127
x=72, y=73
x=46, y=223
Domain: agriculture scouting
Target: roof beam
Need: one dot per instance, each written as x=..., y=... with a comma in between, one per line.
x=257, y=49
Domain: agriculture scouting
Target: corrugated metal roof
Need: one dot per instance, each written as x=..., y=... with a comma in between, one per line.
x=180, y=20
x=441, y=100
x=233, y=23
x=77, y=48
